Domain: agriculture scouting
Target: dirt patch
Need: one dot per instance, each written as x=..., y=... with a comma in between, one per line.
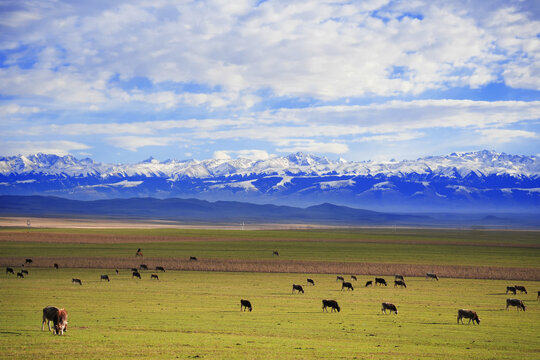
x=283, y=266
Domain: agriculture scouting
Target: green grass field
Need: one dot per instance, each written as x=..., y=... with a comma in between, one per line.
x=190, y=314
x=197, y=314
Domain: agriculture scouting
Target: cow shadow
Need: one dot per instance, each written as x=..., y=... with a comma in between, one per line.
x=497, y=294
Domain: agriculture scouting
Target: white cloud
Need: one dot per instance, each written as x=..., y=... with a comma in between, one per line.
x=311, y=146
x=499, y=136
x=61, y=147
x=133, y=143
x=14, y=109
x=245, y=154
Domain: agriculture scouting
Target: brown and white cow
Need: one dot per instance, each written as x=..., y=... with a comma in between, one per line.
x=388, y=306
x=57, y=316
x=467, y=314
x=515, y=302
x=331, y=304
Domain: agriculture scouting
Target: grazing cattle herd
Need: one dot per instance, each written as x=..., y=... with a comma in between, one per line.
x=59, y=316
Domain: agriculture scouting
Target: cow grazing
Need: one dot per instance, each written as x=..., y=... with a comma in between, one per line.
x=28, y=261
x=310, y=281
x=139, y=253
x=275, y=253
x=515, y=302
x=160, y=268
x=338, y=278
x=467, y=314
x=116, y=271
x=57, y=316
x=24, y=271
x=399, y=277
x=105, y=277
x=135, y=274
x=143, y=267
x=369, y=283
x=380, y=281
x=521, y=289
x=297, y=288
x=154, y=276
x=400, y=283
x=511, y=289
x=353, y=277
x=245, y=304
x=55, y=265
x=76, y=281
x=432, y=276
x=330, y=304
x=20, y=275
x=10, y=271
x=388, y=306
x=347, y=285
x=192, y=258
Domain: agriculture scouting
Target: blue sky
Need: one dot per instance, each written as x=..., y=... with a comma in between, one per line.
x=125, y=80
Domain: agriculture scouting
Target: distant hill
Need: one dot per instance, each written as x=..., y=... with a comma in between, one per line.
x=482, y=181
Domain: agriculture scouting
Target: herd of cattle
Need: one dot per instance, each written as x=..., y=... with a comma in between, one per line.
x=59, y=316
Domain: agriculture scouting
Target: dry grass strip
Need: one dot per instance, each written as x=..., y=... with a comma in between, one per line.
x=284, y=266
x=83, y=238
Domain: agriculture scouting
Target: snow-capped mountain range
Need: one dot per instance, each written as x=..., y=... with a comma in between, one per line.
x=484, y=180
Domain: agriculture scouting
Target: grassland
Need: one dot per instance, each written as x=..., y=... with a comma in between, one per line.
x=196, y=314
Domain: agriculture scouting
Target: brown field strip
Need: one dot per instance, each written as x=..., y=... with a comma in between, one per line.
x=51, y=237
x=283, y=266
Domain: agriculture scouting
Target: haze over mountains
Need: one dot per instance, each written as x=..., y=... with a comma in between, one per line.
x=483, y=181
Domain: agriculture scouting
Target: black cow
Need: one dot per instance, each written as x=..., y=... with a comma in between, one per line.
x=369, y=283
x=332, y=304
x=340, y=278
x=380, y=281
x=55, y=265
x=76, y=281
x=154, y=276
x=354, y=278
x=432, y=276
x=20, y=275
x=143, y=267
x=24, y=271
x=400, y=283
x=310, y=281
x=105, y=277
x=116, y=271
x=467, y=314
x=275, y=253
x=245, y=304
x=521, y=289
x=135, y=274
x=399, y=277
x=160, y=268
x=28, y=261
x=192, y=258
x=515, y=302
x=10, y=271
x=511, y=289
x=388, y=306
x=347, y=285
x=297, y=288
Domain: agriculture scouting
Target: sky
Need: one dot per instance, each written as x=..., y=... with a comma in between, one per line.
x=121, y=81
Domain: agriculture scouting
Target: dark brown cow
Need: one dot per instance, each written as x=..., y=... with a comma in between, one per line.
x=275, y=253
x=347, y=285
x=432, y=276
x=10, y=271
x=57, y=316
x=310, y=281
x=369, y=283
x=76, y=281
x=467, y=314
x=135, y=274
x=154, y=276
x=192, y=258
x=105, y=277
x=521, y=289
x=511, y=289
x=354, y=278
x=160, y=268
x=331, y=304
x=388, y=306
x=297, y=288
x=338, y=278
x=55, y=265
x=515, y=302
x=20, y=275
x=28, y=261
x=400, y=283
x=380, y=281
x=245, y=304
x=399, y=277
x=143, y=267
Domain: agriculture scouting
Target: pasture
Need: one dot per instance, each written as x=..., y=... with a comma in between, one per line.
x=196, y=314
